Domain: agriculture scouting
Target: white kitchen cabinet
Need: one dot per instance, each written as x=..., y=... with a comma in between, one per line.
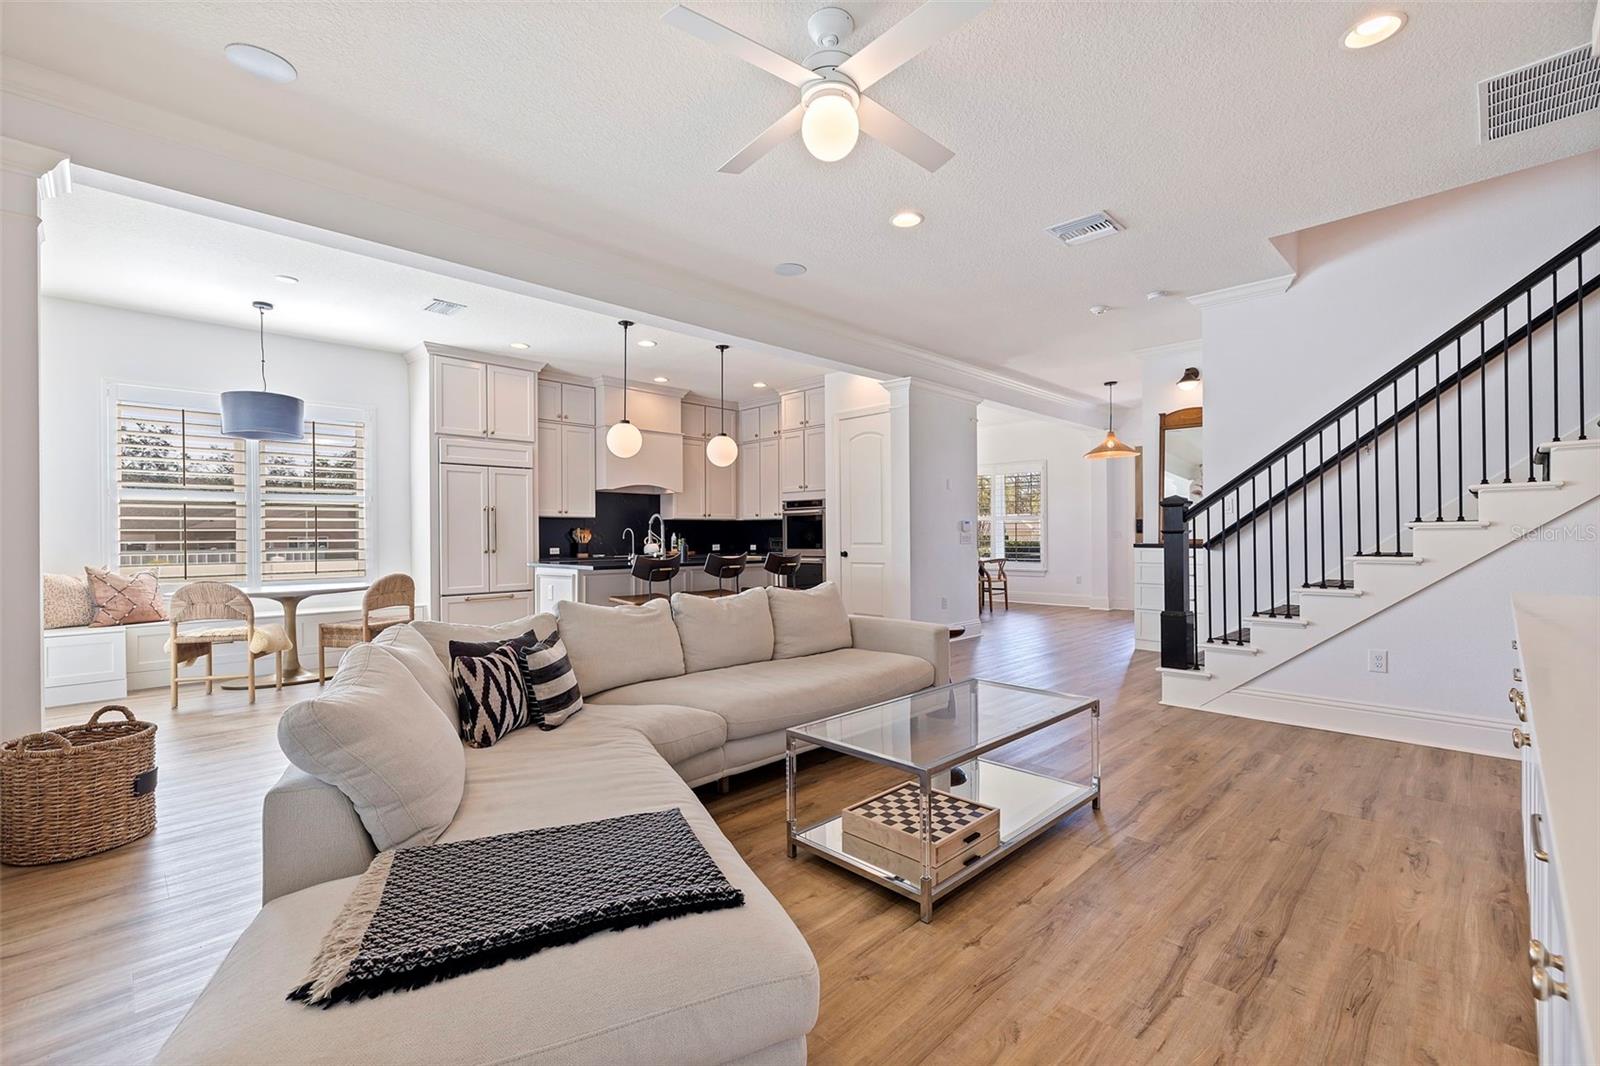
x=770, y=504
x=722, y=489
x=791, y=461
x=769, y=421
x=691, y=502
x=566, y=470
x=512, y=401
x=814, y=408
x=552, y=500
x=487, y=609
x=513, y=534
x=562, y=401
x=815, y=449
x=791, y=411
x=695, y=420
x=749, y=480
x=756, y=423
x=460, y=397
x=463, y=529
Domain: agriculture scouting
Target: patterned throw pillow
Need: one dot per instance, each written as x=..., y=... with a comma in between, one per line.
x=553, y=694
x=66, y=601
x=121, y=600
x=490, y=697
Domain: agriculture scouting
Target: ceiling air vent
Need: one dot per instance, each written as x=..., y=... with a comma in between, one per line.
x=1552, y=89
x=444, y=307
x=1085, y=229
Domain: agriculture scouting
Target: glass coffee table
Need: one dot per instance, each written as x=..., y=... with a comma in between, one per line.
x=983, y=763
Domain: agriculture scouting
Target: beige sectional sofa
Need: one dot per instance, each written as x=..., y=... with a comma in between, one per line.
x=737, y=985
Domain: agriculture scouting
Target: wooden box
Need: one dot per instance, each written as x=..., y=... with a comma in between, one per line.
x=909, y=869
x=891, y=820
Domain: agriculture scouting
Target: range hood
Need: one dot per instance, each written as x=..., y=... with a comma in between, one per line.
x=658, y=467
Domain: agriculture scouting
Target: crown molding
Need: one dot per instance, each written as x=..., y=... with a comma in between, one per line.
x=1250, y=290
x=1176, y=348
x=607, y=381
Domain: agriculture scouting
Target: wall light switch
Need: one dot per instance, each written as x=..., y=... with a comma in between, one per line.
x=1377, y=662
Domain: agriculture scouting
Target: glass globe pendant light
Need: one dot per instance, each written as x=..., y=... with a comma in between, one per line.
x=1111, y=447
x=624, y=439
x=722, y=450
x=263, y=415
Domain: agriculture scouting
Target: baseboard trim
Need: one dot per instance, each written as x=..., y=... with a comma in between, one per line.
x=1059, y=599
x=1409, y=725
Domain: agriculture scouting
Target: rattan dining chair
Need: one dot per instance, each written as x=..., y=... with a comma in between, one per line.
x=219, y=602
x=389, y=601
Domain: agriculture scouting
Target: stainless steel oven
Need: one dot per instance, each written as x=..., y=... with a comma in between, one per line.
x=802, y=528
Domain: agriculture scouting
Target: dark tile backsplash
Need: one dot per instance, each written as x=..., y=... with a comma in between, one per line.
x=616, y=511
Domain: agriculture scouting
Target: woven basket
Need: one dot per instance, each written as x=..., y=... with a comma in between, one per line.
x=77, y=790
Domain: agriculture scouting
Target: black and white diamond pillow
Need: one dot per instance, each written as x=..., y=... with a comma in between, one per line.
x=553, y=694
x=490, y=695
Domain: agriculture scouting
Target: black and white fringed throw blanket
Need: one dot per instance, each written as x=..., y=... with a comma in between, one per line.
x=424, y=914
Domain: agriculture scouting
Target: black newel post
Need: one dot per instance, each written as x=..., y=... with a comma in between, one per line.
x=1177, y=621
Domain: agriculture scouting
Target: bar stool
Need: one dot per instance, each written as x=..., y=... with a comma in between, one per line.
x=782, y=567
x=725, y=566
x=652, y=568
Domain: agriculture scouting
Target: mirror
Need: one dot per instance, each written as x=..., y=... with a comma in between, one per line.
x=1181, y=454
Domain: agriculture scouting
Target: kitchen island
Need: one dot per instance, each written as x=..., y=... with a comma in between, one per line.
x=597, y=579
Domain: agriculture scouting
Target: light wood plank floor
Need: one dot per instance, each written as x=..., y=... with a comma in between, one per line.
x=1248, y=893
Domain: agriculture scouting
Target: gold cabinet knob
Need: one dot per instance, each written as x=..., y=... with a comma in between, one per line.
x=1546, y=987
x=1519, y=702
x=1539, y=955
x=1519, y=739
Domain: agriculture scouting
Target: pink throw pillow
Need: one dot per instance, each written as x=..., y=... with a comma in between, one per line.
x=123, y=600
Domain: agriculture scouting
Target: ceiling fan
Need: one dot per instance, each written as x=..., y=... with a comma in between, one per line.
x=832, y=111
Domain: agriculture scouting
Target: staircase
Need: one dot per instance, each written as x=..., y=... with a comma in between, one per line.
x=1484, y=435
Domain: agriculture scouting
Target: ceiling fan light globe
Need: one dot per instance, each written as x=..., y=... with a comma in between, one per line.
x=624, y=440
x=721, y=450
x=830, y=127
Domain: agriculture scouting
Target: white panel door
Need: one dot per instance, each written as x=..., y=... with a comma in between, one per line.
x=814, y=401
x=513, y=403
x=691, y=502
x=512, y=530
x=816, y=445
x=769, y=505
x=463, y=529
x=721, y=488
x=552, y=490
x=768, y=419
x=865, y=521
x=577, y=470
x=749, y=465
x=791, y=410
x=577, y=404
x=460, y=392
x=792, y=461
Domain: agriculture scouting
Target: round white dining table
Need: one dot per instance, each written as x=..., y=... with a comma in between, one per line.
x=289, y=596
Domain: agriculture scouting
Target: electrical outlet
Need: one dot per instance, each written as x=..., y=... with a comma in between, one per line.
x=1078, y=580
x=716, y=547
x=944, y=603
x=752, y=549
x=1377, y=661
x=555, y=551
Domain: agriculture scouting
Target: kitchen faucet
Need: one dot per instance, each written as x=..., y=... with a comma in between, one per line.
x=628, y=533
x=655, y=542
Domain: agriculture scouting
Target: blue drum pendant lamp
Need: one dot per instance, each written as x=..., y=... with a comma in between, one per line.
x=263, y=415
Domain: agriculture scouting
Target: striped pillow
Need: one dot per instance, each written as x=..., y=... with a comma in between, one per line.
x=490, y=695
x=553, y=694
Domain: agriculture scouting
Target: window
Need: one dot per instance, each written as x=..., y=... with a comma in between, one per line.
x=1011, y=501
x=192, y=504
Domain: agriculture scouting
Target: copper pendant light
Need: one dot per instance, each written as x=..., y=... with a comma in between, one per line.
x=1111, y=447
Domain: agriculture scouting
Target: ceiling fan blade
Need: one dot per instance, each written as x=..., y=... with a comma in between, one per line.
x=737, y=44
x=906, y=38
x=881, y=124
x=770, y=138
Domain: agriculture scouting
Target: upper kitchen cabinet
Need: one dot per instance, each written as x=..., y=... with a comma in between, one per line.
x=758, y=423
x=566, y=470
x=800, y=409
x=563, y=401
x=473, y=399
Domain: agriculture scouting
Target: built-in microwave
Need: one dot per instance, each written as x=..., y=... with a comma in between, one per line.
x=802, y=528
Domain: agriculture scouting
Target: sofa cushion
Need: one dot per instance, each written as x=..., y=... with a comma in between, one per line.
x=703, y=988
x=725, y=631
x=408, y=645
x=611, y=646
x=758, y=698
x=440, y=634
x=676, y=732
x=808, y=621
x=372, y=733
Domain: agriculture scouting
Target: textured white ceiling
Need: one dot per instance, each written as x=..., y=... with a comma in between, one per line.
x=107, y=248
x=1207, y=128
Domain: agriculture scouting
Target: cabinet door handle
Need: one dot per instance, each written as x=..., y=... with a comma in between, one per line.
x=1535, y=825
x=1519, y=739
x=1519, y=702
x=486, y=531
x=494, y=531
x=485, y=599
x=1547, y=987
x=1539, y=955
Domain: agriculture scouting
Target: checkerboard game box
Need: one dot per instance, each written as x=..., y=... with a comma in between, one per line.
x=892, y=820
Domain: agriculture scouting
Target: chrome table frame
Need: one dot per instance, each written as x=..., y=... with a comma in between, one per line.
x=1074, y=795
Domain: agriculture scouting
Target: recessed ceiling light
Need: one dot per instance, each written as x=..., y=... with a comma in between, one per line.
x=906, y=219
x=1098, y=309
x=758, y=384
x=659, y=380
x=253, y=59
x=1157, y=294
x=646, y=344
x=789, y=270
x=287, y=279
x=1374, y=29
x=519, y=346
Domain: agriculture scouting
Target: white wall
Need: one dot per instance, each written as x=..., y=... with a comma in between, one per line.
x=1078, y=534
x=1372, y=290
x=943, y=454
x=84, y=348
x=1159, y=372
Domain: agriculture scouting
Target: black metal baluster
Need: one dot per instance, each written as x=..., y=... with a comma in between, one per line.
x=1505, y=377
x=1555, y=364
x=1461, y=469
x=1377, y=475
x=1305, y=520
x=1394, y=401
x=1224, y=588
x=1483, y=403
x=1238, y=559
x=1416, y=435
x=1438, y=444
x=1529, y=330
x=1255, y=552
x=1209, y=584
x=1357, y=458
x=1582, y=414
x=1338, y=454
x=1322, y=508
x=1272, y=553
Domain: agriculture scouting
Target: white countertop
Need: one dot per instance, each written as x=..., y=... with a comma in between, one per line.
x=1559, y=638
